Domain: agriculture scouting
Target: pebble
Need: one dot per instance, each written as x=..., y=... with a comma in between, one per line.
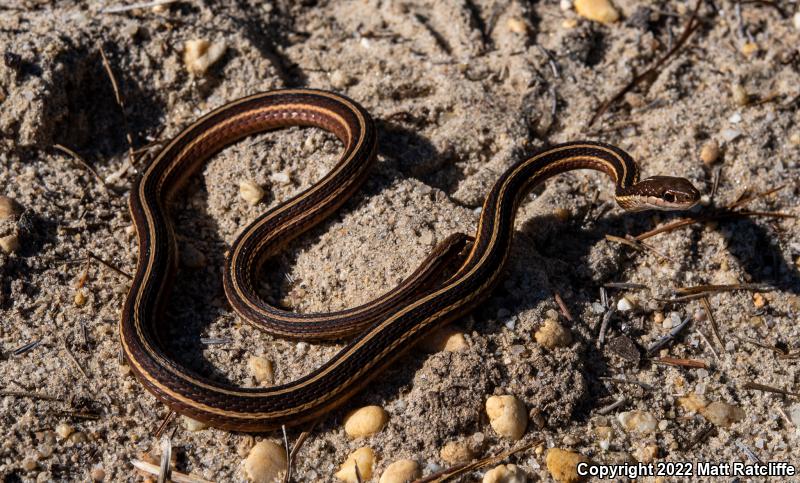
x=638, y=421
x=730, y=135
x=507, y=416
x=750, y=48
x=646, y=454
x=445, y=339
x=552, y=335
x=365, y=421
x=565, y=5
x=456, y=452
x=193, y=424
x=796, y=20
x=97, y=474
x=710, y=152
x=517, y=25
x=265, y=463
x=261, y=369
x=364, y=458
x=624, y=304
x=758, y=300
x=64, y=430
x=505, y=474
x=29, y=464
x=693, y=402
x=9, y=209
x=794, y=138
x=604, y=435
x=740, y=95
x=401, y=471
x=200, y=54
x=735, y=118
x=340, y=80
x=280, y=178
x=598, y=10
x=80, y=298
x=722, y=414
x=251, y=192
x=794, y=414
x=563, y=465
x=9, y=243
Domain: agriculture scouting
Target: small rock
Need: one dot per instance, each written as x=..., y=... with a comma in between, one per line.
x=563, y=465
x=251, y=192
x=517, y=25
x=562, y=214
x=280, y=178
x=624, y=304
x=638, y=421
x=796, y=20
x=9, y=243
x=445, y=339
x=193, y=424
x=692, y=403
x=647, y=454
x=507, y=416
x=740, y=95
x=710, y=152
x=364, y=458
x=261, y=369
x=505, y=474
x=97, y=474
x=340, y=80
x=80, y=298
x=750, y=48
x=598, y=10
x=456, y=452
x=401, y=471
x=565, y=5
x=64, y=430
x=730, y=135
x=29, y=464
x=758, y=300
x=794, y=414
x=365, y=421
x=722, y=414
x=552, y=335
x=265, y=463
x=9, y=209
x=200, y=54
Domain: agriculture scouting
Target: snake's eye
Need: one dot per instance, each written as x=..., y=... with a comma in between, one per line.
x=669, y=197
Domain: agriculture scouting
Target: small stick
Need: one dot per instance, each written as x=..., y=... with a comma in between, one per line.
x=747, y=199
x=77, y=157
x=712, y=321
x=30, y=395
x=700, y=436
x=297, y=445
x=550, y=60
x=564, y=310
x=698, y=289
x=74, y=360
x=667, y=338
x=161, y=427
x=604, y=326
x=708, y=343
x=626, y=286
x=176, y=476
x=763, y=387
x=749, y=452
x=165, y=468
x=641, y=384
x=786, y=416
x=109, y=265
x=288, y=453
x=120, y=103
x=675, y=361
x=616, y=404
x=449, y=474
x=137, y=6
x=26, y=347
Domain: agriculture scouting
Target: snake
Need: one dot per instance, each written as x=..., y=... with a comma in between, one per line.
x=456, y=276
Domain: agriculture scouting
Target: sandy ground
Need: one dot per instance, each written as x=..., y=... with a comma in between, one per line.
x=460, y=90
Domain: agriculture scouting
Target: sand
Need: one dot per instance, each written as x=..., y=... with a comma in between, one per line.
x=460, y=91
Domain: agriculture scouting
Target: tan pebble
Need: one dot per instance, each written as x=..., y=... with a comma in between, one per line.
x=647, y=454
x=251, y=192
x=758, y=300
x=244, y=445
x=710, y=152
x=64, y=430
x=722, y=414
x=364, y=458
x=569, y=23
x=401, y=471
x=456, y=452
x=634, y=99
x=9, y=243
x=740, y=95
x=261, y=369
x=505, y=474
x=658, y=317
x=692, y=403
x=562, y=214
x=78, y=437
x=124, y=369
x=794, y=138
x=638, y=421
x=756, y=321
x=552, y=335
x=749, y=48
x=193, y=424
x=517, y=25
x=200, y=54
x=507, y=415
x=80, y=298
x=29, y=464
x=365, y=421
x=598, y=10
x=563, y=464
x=266, y=463
x=9, y=208
x=340, y=80
x=796, y=20
x=97, y=474
x=445, y=339
x=45, y=451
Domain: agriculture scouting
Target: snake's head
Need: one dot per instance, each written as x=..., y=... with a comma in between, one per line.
x=664, y=193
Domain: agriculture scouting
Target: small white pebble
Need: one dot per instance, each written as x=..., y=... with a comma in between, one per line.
x=265, y=463
x=64, y=430
x=365, y=421
x=796, y=20
x=261, y=369
x=200, y=54
x=735, y=118
x=251, y=192
x=193, y=424
x=364, y=458
x=730, y=135
x=280, y=178
x=638, y=421
x=507, y=416
x=624, y=305
x=301, y=348
x=565, y=5
x=730, y=346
